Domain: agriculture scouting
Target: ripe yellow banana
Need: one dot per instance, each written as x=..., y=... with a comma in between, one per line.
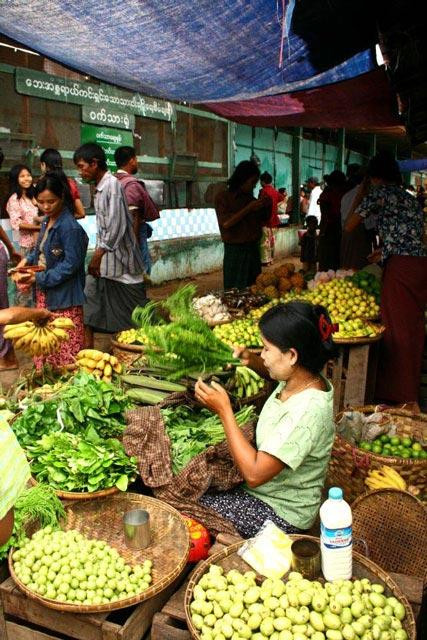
x=386, y=477
x=93, y=354
x=59, y=333
x=11, y=331
x=108, y=371
x=61, y=323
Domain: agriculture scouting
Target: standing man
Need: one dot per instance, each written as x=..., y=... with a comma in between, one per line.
x=316, y=191
x=139, y=202
x=115, y=284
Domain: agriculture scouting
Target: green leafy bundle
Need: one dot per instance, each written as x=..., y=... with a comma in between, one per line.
x=84, y=405
x=68, y=462
x=186, y=346
x=35, y=505
x=192, y=430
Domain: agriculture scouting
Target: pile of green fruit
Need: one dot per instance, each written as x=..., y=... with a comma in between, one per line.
x=243, y=332
x=395, y=446
x=356, y=329
x=233, y=606
x=368, y=282
x=67, y=567
x=342, y=299
x=132, y=336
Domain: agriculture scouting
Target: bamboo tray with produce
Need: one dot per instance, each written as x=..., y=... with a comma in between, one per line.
x=101, y=573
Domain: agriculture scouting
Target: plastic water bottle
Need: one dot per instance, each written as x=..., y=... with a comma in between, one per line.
x=336, y=537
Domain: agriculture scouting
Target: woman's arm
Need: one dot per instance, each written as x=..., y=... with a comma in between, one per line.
x=79, y=210
x=15, y=315
x=6, y=527
x=75, y=247
x=256, y=467
x=27, y=226
x=14, y=255
x=253, y=361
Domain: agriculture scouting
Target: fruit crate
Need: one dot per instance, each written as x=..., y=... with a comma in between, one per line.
x=26, y=619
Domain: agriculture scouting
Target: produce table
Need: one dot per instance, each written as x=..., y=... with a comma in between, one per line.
x=170, y=622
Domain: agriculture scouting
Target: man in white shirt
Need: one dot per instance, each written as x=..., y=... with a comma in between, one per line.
x=316, y=190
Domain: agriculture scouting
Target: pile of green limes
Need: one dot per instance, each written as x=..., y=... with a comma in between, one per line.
x=395, y=446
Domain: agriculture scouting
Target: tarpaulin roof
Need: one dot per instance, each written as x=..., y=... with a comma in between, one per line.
x=413, y=165
x=199, y=51
x=363, y=102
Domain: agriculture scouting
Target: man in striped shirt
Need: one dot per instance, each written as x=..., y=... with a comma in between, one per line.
x=115, y=281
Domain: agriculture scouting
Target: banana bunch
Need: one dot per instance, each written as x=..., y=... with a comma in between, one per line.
x=246, y=383
x=385, y=478
x=39, y=340
x=98, y=363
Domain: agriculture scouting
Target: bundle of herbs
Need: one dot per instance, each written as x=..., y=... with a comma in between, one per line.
x=186, y=346
x=69, y=462
x=192, y=430
x=83, y=405
x=35, y=506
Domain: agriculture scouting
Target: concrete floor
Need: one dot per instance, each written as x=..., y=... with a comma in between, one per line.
x=205, y=283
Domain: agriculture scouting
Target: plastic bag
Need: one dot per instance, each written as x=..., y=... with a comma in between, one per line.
x=355, y=426
x=269, y=552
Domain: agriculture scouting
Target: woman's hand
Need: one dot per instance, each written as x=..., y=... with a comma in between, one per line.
x=243, y=354
x=15, y=257
x=41, y=316
x=212, y=396
x=375, y=256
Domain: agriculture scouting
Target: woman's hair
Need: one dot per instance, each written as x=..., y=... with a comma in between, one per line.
x=296, y=325
x=335, y=179
x=14, y=187
x=52, y=159
x=54, y=183
x=385, y=167
x=244, y=170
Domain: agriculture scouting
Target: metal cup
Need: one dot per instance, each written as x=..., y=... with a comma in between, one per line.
x=306, y=558
x=136, y=525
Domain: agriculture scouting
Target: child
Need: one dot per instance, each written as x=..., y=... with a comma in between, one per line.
x=308, y=245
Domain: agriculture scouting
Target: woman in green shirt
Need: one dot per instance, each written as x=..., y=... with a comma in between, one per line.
x=285, y=473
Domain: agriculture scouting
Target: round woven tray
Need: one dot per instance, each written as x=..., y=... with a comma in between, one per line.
x=393, y=524
x=103, y=519
x=349, y=465
x=127, y=353
x=362, y=339
x=362, y=568
x=74, y=495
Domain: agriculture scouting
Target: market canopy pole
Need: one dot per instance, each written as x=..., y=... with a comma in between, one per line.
x=297, y=138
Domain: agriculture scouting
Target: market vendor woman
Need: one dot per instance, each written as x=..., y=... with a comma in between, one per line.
x=285, y=473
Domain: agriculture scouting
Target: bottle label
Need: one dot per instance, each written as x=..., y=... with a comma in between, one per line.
x=336, y=538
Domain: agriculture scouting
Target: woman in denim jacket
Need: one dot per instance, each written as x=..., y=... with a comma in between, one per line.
x=61, y=250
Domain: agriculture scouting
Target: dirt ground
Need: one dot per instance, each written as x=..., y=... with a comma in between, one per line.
x=205, y=282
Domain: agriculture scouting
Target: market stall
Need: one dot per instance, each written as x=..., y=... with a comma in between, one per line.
x=109, y=428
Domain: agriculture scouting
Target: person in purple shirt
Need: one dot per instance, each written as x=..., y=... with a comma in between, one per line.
x=139, y=202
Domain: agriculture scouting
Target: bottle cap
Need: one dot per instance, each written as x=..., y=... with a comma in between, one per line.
x=335, y=493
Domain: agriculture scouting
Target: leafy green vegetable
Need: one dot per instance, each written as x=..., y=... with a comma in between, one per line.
x=191, y=431
x=36, y=505
x=68, y=462
x=83, y=405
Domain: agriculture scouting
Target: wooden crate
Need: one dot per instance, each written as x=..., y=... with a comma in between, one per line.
x=26, y=619
x=353, y=375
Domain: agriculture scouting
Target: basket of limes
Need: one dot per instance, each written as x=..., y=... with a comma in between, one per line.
x=404, y=449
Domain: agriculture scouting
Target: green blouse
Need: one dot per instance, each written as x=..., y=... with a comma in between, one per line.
x=299, y=432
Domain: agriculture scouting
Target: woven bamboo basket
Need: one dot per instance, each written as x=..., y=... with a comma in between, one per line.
x=103, y=520
x=349, y=465
x=362, y=568
x=393, y=525
x=127, y=354
x=362, y=339
x=74, y=495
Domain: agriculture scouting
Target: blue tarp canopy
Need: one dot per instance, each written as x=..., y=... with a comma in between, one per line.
x=413, y=165
x=199, y=51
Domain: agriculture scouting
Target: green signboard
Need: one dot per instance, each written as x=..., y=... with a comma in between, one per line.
x=43, y=85
x=108, y=117
x=108, y=139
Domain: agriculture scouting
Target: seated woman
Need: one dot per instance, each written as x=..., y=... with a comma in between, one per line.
x=285, y=473
x=61, y=250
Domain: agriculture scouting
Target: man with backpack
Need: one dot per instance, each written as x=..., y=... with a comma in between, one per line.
x=139, y=201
